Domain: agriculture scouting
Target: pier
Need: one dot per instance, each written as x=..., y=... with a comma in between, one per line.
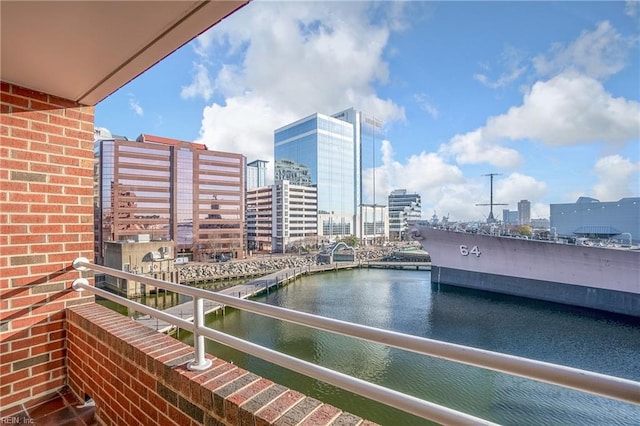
x=267, y=283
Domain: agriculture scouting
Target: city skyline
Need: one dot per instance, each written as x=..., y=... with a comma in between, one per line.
x=544, y=93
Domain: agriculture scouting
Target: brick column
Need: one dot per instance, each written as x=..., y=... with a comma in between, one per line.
x=46, y=221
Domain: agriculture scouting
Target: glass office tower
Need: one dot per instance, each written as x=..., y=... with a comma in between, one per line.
x=320, y=150
x=157, y=189
x=367, y=138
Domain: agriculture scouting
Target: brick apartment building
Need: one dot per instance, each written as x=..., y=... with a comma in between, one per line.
x=167, y=189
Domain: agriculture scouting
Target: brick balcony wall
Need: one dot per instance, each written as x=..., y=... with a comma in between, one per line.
x=136, y=375
x=46, y=221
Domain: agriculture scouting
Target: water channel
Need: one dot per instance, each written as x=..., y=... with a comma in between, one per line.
x=405, y=301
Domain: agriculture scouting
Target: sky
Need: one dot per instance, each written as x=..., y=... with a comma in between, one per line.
x=545, y=95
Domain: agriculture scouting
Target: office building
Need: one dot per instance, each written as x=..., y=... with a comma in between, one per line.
x=256, y=174
x=259, y=219
x=170, y=190
x=591, y=218
x=524, y=212
x=404, y=207
x=510, y=217
x=541, y=223
x=329, y=152
x=282, y=218
x=319, y=151
x=375, y=224
x=295, y=217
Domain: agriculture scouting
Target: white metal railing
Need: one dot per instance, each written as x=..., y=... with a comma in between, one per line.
x=582, y=380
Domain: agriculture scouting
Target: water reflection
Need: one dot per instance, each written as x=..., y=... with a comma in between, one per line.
x=405, y=301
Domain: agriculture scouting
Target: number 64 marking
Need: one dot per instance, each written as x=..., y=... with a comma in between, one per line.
x=465, y=251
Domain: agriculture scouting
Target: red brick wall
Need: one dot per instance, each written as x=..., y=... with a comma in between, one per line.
x=46, y=221
x=136, y=375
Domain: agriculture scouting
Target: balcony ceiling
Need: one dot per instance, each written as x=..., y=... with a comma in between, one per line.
x=86, y=50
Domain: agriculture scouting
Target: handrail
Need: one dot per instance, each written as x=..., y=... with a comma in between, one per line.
x=582, y=380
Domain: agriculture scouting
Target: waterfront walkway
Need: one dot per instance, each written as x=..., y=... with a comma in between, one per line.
x=265, y=284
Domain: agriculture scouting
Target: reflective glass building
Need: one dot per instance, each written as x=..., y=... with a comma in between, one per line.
x=165, y=189
x=320, y=150
x=329, y=152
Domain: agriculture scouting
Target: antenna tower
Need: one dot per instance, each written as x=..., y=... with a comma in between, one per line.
x=491, y=219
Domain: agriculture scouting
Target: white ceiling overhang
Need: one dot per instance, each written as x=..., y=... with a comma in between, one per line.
x=86, y=50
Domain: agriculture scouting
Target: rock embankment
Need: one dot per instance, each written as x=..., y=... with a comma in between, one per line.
x=261, y=266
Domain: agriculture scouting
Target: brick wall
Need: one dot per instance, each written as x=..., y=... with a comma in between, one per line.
x=46, y=221
x=136, y=375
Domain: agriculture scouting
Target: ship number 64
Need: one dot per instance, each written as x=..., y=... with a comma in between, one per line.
x=466, y=251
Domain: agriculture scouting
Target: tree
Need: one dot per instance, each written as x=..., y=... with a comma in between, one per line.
x=525, y=230
x=350, y=240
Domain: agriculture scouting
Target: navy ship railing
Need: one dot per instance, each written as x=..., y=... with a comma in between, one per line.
x=582, y=380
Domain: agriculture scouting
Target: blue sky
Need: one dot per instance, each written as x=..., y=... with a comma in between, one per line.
x=544, y=94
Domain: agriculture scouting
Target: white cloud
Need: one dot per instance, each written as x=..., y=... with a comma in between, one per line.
x=515, y=187
x=244, y=125
x=426, y=105
x=134, y=105
x=618, y=177
x=511, y=61
x=294, y=60
x=569, y=109
x=631, y=8
x=598, y=54
x=200, y=86
x=477, y=147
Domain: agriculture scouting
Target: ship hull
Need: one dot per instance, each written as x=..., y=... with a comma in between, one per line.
x=596, y=278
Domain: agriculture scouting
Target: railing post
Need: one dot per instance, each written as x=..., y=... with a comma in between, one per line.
x=200, y=362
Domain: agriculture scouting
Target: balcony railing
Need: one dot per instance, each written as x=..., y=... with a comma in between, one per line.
x=582, y=380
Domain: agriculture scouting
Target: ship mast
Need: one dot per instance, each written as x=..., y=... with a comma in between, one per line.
x=491, y=218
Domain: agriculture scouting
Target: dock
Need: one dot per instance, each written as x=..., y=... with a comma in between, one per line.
x=264, y=284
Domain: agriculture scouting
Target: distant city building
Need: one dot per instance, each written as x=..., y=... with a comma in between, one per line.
x=375, y=219
x=329, y=152
x=260, y=219
x=256, y=174
x=510, y=217
x=321, y=148
x=282, y=217
x=524, y=212
x=170, y=190
x=366, y=129
x=540, y=223
x=404, y=207
x=296, y=217
x=297, y=174
x=592, y=218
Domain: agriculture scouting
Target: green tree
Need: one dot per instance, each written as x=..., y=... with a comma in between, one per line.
x=350, y=240
x=525, y=230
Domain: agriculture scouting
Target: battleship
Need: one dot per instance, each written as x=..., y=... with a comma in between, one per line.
x=590, y=276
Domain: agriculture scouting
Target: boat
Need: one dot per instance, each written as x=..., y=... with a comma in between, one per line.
x=595, y=276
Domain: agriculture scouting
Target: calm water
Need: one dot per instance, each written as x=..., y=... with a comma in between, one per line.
x=405, y=301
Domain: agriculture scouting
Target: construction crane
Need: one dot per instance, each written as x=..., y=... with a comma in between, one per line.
x=491, y=218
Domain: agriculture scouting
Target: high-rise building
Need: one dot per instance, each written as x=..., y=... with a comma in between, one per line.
x=256, y=174
x=329, y=152
x=366, y=136
x=510, y=217
x=281, y=217
x=404, y=207
x=260, y=219
x=168, y=189
x=295, y=216
x=524, y=212
x=319, y=151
